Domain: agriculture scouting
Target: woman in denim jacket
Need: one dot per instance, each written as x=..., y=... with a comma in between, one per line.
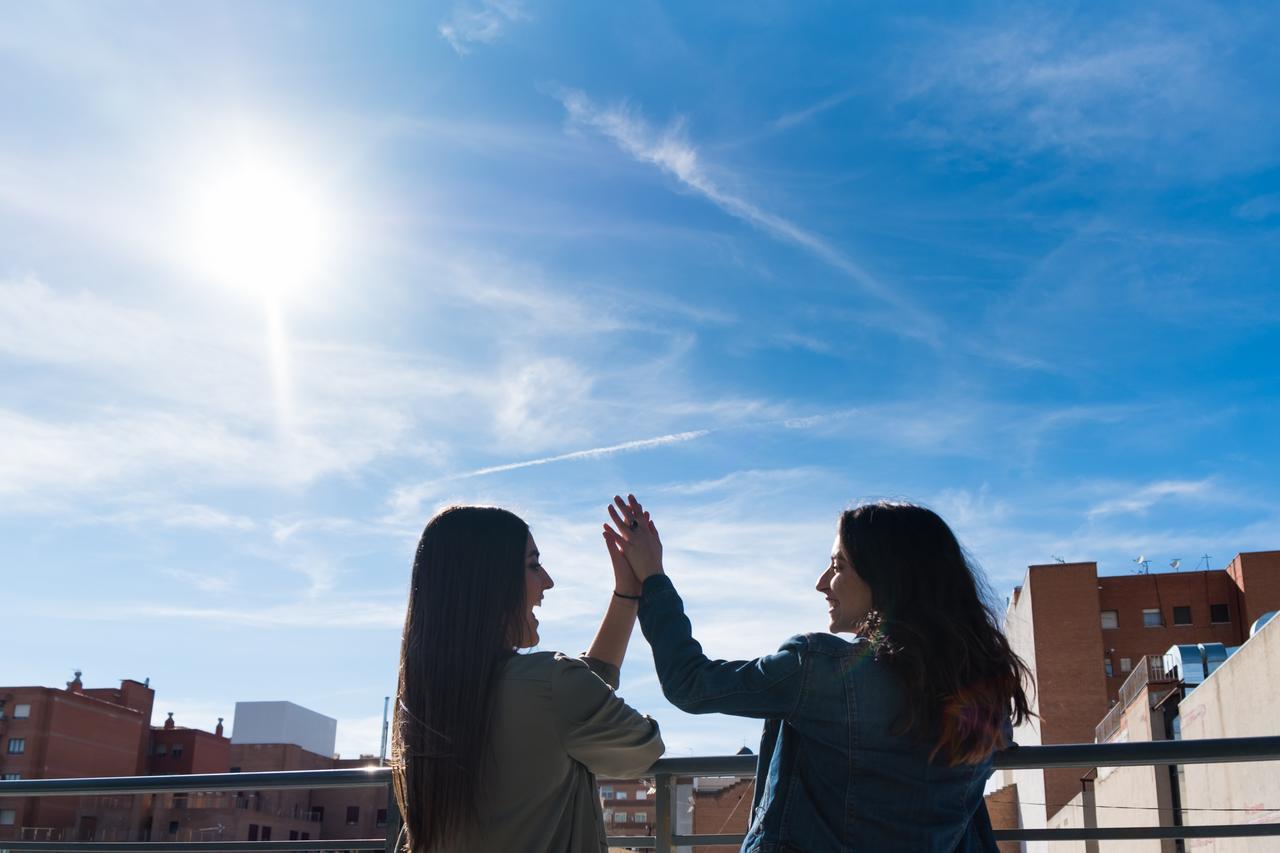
x=878, y=743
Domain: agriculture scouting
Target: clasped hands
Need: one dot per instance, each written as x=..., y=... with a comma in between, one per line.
x=635, y=549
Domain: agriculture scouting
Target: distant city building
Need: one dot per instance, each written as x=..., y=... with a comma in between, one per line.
x=284, y=722
x=1084, y=636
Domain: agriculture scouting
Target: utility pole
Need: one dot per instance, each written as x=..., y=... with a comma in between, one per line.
x=386, y=727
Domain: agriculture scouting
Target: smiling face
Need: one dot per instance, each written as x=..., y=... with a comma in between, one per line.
x=536, y=582
x=848, y=596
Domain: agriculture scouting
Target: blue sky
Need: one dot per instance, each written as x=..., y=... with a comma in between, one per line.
x=753, y=262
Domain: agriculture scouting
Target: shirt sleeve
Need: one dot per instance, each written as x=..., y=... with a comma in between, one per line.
x=766, y=687
x=596, y=728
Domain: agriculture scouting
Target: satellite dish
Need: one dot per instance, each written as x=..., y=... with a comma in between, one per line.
x=1175, y=563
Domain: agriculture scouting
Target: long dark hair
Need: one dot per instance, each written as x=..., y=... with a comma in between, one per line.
x=929, y=622
x=466, y=602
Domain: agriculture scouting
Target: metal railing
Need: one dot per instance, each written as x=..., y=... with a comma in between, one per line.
x=1150, y=670
x=666, y=772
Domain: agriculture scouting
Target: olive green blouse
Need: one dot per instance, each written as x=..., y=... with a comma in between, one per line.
x=557, y=723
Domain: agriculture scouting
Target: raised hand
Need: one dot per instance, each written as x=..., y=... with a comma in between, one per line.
x=635, y=537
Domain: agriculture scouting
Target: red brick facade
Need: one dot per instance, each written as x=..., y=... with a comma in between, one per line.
x=1081, y=634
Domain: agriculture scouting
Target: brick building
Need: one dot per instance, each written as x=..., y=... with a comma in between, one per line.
x=1082, y=634
x=49, y=733
x=628, y=806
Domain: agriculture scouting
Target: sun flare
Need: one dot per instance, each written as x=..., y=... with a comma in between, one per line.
x=259, y=225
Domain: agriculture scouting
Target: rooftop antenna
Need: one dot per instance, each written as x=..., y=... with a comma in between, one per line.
x=1176, y=564
x=382, y=755
x=1057, y=559
x=1205, y=558
x=1144, y=563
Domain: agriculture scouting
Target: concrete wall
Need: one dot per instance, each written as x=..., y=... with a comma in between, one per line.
x=1074, y=815
x=1240, y=699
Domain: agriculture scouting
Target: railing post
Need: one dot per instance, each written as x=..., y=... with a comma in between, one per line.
x=394, y=820
x=664, y=813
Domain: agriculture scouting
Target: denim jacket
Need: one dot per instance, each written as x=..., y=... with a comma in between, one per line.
x=831, y=774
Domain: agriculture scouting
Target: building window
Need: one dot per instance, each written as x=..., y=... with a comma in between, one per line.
x=353, y=815
x=1106, y=664
x=1182, y=614
x=620, y=817
x=1126, y=664
x=380, y=818
x=642, y=794
x=253, y=832
x=293, y=835
x=21, y=712
x=317, y=813
x=17, y=745
x=173, y=827
x=606, y=791
x=608, y=815
x=177, y=751
x=1110, y=619
x=266, y=833
x=638, y=817
x=621, y=795
x=8, y=817
x=1151, y=618
x=306, y=836
x=1218, y=613
x=162, y=749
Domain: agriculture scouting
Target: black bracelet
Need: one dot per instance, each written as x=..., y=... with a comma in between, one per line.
x=627, y=597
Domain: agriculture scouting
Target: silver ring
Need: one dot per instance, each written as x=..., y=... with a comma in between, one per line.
x=633, y=524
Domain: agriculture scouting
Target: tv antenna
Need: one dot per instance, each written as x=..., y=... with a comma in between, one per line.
x=1142, y=561
x=1057, y=559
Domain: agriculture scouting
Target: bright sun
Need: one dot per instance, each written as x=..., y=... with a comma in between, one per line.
x=258, y=225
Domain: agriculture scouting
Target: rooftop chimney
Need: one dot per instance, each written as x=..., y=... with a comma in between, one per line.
x=76, y=685
x=168, y=724
x=218, y=729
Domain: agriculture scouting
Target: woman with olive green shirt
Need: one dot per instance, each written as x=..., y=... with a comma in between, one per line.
x=494, y=750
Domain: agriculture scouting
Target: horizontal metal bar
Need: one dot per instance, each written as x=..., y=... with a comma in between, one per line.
x=1156, y=752
x=631, y=841
x=1131, y=833
x=706, y=765
x=357, y=777
x=708, y=839
x=195, y=846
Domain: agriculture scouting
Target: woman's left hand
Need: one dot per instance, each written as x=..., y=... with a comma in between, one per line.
x=624, y=579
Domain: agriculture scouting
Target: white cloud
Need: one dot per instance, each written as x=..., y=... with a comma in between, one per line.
x=671, y=151
x=199, y=581
x=1139, y=499
x=480, y=22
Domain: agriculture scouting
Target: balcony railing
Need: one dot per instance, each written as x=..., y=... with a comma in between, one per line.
x=665, y=774
x=1150, y=670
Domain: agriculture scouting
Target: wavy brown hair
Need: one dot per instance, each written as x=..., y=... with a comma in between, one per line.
x=962, y=681
x=466, y=602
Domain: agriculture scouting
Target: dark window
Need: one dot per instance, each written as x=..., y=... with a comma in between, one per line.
x=1182, y=615
x=173, y=827
x=293, y=835
x=1106, y=665
x=235, y=769
x=306, y=836
x=177, y=750
x=162, y=749
x=317, y=813
x=253, y=832
x=266, y=833
x=381, y=818
x=17, y=745
x=353, y=815
x=1219, y=613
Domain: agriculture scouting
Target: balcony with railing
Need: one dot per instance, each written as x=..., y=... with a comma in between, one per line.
x=665, y=774
x=1149, y=671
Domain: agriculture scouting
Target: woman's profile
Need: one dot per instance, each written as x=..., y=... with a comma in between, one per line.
x=494, y=750
x=882, y=742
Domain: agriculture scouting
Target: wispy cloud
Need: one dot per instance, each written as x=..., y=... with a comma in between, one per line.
x=199, y=581
x=482, y=22
x=406, y=502
x=670, y=150
x=798, y=117
x=1141, y=498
